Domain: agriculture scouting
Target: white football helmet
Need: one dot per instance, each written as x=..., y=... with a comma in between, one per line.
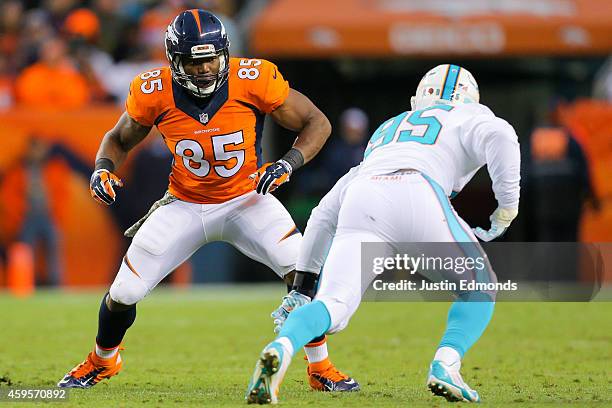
x=446, y=84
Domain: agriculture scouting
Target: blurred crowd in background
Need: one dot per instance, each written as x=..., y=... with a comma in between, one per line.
x=91, y=49
x=68, y=54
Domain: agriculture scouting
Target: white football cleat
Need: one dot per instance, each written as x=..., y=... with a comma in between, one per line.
x=269, y=372
x=446, y=381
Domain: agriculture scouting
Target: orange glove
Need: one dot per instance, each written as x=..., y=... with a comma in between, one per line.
x=271, y=175
x=101, y=186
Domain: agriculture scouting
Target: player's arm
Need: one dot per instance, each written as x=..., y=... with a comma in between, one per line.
x=299, y=114
x=500, y=149
x=112, y=152
x=122, y=138
x=318, y=236
x=321, y=227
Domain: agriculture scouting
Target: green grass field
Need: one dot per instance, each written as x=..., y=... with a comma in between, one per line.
x=198, y=347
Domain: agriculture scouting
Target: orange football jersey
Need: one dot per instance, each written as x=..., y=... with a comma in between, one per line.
x=218, y=146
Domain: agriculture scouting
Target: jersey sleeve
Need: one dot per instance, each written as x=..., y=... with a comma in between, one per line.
x=269, y=90
x=495, y=143
x=141, y=107
x=321, y=226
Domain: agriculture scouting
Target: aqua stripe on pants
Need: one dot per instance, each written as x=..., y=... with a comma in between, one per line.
x=470, y=314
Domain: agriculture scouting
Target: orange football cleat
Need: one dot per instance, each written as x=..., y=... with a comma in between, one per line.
x=91, y=371
x=324, y=376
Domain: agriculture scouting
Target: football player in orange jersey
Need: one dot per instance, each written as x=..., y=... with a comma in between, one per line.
x=209, y=109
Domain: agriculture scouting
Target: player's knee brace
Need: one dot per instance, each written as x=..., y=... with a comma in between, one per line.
x=284, y=257
x=128, y=292
x=285, y=252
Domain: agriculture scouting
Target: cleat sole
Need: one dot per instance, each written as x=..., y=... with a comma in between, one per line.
x=445, y=390
x=261, y=392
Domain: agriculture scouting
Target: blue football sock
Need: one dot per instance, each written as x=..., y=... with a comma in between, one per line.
x=113, y=325
x=306, y=323
x=468, y=318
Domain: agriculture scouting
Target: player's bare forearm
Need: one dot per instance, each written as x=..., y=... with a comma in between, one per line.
x=122, y=138
x=298, y=113
x=111, y=149
x=313, y=136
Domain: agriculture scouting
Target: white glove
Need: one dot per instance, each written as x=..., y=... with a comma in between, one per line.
x=500, y=221
x=291, y=301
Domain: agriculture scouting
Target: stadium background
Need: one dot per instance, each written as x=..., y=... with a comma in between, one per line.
x=65, y=67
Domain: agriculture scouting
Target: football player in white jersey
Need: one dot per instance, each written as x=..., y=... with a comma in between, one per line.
x=400, y=193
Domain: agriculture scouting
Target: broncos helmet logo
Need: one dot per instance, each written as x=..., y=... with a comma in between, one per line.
x=171, y=35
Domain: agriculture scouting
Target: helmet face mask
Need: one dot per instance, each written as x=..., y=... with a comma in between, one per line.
x=197, y=35
x=445, y=84
x=200, y=85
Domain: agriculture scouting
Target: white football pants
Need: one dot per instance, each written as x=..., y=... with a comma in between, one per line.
x=399, y=207
x=257, y=225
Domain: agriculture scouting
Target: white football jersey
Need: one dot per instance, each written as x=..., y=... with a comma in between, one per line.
x=449, y=143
